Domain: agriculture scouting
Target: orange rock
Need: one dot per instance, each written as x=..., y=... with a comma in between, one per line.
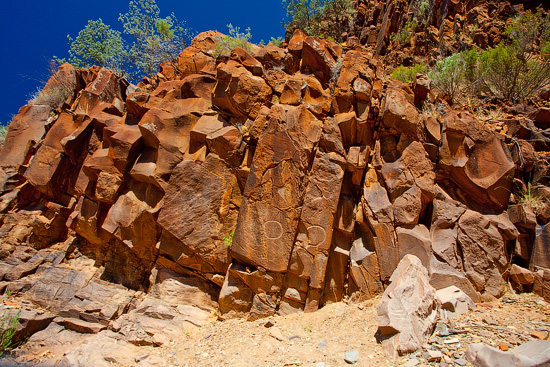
x=539, y=335
x=503, y=347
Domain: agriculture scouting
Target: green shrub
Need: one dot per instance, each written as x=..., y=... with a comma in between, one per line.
x=3, y=132
x=53, y=97
x=277, y=41
x=8, y=328
x=147, y=40
x=448, y=75
x=226, y=44
x=405, y=34
x=520, y=68
x=408, y=74
x=229, y=239
x=318, y=18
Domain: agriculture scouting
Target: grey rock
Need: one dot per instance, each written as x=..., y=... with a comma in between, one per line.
x=530, y=354
x=408, y=310
x=461, y=361
x=351, y=357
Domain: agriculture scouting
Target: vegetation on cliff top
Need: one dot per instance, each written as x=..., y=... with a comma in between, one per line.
x=147, y=41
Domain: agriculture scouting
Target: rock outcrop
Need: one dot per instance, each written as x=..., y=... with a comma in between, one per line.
x=272, y=182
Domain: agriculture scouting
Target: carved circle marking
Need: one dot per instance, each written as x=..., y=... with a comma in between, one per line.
x=273, y=230
x=311, y=233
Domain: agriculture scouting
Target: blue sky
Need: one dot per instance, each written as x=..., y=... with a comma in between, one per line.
x=35, y=30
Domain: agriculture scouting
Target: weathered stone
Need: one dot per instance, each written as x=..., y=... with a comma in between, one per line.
x=167, y=128
x=532, y=353
x=238, y=91
x=319, y=57
x=541, y=255
x=521, y=275
x=415, y=241
x=268, y=217
x=476, y=160
x=26, y=130
x=453, y=302
x=483, y=252
x=248, y=61
x=399, y=112
x=195, y=205
x=407, y=312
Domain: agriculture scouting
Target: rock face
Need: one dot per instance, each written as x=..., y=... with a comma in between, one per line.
x=275, y=181
x=408, y=310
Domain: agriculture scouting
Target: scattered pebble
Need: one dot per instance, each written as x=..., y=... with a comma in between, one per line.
x=351, y=357
x=460, y=361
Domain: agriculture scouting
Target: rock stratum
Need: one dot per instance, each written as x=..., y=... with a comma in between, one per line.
x=270, y=182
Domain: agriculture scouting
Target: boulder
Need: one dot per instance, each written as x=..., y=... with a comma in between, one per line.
x=453, y=302
x=533, y=353
x=166, y=128
x=399, y=112
x=274, y=192
x=408, y=310
x=26, y=130
x=195, y=212
x=238, y=91
x=476, y=160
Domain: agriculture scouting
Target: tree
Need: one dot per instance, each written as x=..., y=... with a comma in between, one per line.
x=97, y=44
x=318, y=18
x=155, y=39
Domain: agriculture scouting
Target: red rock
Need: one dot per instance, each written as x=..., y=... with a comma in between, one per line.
x=319, y=57
x=521, y=275
x=49, y=168
x=167, y=128
x=238, y=91
x=248, y=61
x=274, y=190
x=355, y=82
x=26, y=130
x=476, y=160
x=406, y=326
x=541, y=117
x=107, y=87
x=399, y=112
x=194, y=211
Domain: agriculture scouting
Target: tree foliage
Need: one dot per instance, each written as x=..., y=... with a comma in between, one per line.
x=97, y=44
x=154, y=39
x=146, y=41
x=318, y=18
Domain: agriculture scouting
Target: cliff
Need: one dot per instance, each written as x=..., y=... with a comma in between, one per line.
x=269, y=182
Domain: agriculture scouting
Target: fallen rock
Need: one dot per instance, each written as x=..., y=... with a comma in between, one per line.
x=531, y=354
x=407, y=312
x=453, y=302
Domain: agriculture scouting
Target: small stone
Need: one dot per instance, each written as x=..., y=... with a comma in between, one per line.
x=411, y=363
x=433, y=355
x=442, y=329
x=276, y=333
x=539, y=335
x=320, y=364
x=322, y=344
x=489, y=321
x=294, y=337
x=503, y=347
x=460, y=361
x=451, y=341
x=351, y=357
x=142, y=357
x=269, y=324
